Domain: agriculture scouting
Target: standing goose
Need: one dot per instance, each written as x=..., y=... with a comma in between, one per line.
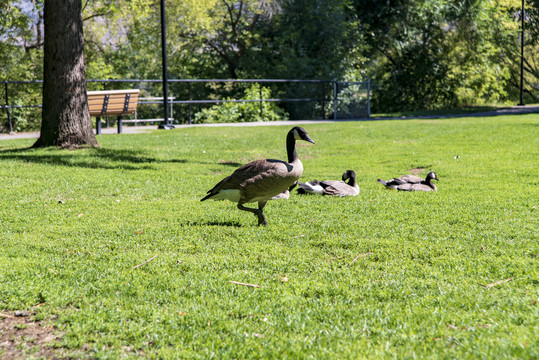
x=332, y=187
x=260, y=180
x=411, y=183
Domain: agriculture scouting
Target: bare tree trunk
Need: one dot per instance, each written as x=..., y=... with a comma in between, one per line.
x=66, y=118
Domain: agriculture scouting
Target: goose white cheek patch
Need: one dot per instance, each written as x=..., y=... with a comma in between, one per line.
x=296, y=135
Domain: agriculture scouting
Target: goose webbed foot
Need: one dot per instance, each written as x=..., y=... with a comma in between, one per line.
x=261, y=218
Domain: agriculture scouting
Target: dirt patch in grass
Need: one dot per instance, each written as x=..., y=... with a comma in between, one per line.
x=416, y=171
x=22, y=337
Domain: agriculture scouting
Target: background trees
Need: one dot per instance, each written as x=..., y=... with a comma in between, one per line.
x=421, y=54
x=435, y=53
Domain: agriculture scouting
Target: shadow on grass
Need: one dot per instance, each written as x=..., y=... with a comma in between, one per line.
x=93, y=158
x=230, y=163
x=213, y=223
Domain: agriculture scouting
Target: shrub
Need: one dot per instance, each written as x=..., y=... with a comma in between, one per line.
x=243, y=111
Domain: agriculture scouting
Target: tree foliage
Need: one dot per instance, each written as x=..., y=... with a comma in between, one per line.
x=434, y=53
x=421, y=54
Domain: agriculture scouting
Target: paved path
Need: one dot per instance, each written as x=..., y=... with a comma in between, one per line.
x=515, y=110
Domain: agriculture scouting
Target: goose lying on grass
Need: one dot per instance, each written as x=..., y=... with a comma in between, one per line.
x=260, y=180
x=411, y=183
x=332, y=187
x=285, y=194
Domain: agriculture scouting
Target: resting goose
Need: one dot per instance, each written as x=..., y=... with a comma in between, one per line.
x=332, y=187
x=285, y=194
x=411, y=183
x=260, y=180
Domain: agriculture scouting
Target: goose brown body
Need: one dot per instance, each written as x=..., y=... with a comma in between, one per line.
x=332, y=187
x=411, y=183
x=260, y=180
x=417, y=187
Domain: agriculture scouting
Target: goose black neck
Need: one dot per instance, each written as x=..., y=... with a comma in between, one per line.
x=352, y=180
x=291, y=147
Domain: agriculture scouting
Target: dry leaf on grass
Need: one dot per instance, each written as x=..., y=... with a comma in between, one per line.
x=245, y=284
x=144, y=263
x=498, y=282
x=361, y=255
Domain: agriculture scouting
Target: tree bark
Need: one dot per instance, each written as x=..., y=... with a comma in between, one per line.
x=65, y=119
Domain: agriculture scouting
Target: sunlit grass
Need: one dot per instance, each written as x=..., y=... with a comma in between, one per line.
x=383, y=275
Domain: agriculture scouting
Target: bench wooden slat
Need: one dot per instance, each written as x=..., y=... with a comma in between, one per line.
x=110, y=92
x=116, y=104
x=112, y=108
x=115, y=97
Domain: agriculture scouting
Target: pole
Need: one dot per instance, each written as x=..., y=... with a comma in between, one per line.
x=522, y=55
x=7, y=110
x=368, y=97
x=261, y=105
x=165, y=125
x=189, y=96
x=335, y=99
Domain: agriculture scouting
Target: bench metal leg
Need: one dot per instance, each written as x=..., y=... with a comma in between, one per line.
x=119, y=124
x=98, y=125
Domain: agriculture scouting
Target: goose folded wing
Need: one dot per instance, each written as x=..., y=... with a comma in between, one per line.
x=331, y=187
x=414, y=187
x=410, y=179
x=238, y=178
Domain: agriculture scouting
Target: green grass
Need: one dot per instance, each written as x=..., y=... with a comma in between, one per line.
x=440, y=112
x=74, y=223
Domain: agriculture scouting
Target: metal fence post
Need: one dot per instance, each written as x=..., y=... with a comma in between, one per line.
x=189, y=97
x=368, y=98
x=335, y=99
x=7, y=109
x=260, y=97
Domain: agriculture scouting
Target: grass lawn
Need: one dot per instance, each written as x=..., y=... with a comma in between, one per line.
x=441, y=112
x=385, y=274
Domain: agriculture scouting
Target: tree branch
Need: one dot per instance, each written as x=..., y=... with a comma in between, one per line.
x=85, y=4
x=96, y=44
x=35, y=45
x=96, y=15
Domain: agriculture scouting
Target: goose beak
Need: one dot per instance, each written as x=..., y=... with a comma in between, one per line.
x=307, y=138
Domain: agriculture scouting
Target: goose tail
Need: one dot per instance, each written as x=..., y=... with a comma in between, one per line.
x=207, y=197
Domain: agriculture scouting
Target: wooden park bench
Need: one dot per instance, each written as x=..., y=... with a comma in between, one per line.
x=112, y=103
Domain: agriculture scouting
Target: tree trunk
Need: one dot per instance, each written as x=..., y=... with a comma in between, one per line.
x=65, y=119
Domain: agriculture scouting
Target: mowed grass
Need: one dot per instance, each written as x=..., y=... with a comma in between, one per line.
x=385, y=274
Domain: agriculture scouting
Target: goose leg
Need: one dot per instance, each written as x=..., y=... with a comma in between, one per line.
x=261, y=217
x=258, y=212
